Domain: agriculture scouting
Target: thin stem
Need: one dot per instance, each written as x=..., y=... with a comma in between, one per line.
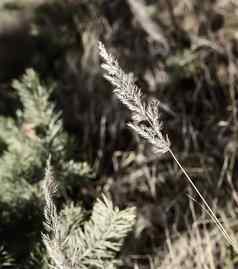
x=209, y=210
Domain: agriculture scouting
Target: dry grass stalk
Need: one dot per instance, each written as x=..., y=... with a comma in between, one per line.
x=53, y=239
x=145, y=120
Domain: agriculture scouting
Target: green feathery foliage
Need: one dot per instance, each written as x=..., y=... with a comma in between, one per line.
x=27, y=140
x=74, y=243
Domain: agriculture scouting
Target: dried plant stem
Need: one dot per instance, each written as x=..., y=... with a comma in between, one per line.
x=207, y=207
x=145, y=120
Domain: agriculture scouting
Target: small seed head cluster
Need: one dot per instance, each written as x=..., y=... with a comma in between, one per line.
x=145, y=115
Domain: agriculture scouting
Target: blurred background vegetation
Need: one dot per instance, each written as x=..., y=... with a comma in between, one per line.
x=185, y=53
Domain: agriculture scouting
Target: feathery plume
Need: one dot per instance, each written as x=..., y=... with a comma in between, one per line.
x=145, y=116
x=145, y=120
